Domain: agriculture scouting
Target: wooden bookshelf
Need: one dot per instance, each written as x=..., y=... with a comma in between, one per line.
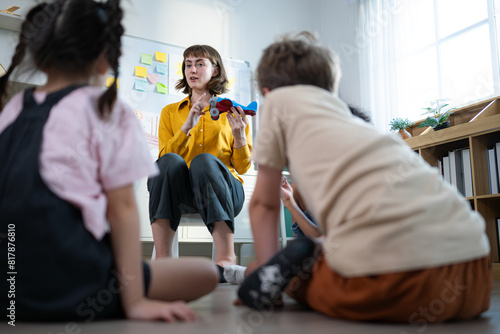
x=476, y=127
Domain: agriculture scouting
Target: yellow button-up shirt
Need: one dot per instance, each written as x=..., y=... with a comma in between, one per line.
x=208, y=136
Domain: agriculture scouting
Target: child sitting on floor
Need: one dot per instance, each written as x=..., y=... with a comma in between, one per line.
x=71, y=152
x=400, y=244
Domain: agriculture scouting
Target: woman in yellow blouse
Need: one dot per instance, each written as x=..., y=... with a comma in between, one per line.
x=200, y=159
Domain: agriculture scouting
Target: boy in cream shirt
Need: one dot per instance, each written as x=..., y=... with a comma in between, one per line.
x=398, y=240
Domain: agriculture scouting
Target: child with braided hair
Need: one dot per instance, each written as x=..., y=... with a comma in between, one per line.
x=71, y=153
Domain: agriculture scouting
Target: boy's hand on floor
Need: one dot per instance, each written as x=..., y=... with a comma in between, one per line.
x=157, y=310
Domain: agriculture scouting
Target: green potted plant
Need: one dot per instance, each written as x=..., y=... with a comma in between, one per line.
x=400, y=125
x=439, y=119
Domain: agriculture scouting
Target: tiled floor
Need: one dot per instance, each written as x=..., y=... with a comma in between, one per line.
x=217, y=315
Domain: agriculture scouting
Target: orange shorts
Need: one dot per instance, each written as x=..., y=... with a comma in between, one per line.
x=457, y=291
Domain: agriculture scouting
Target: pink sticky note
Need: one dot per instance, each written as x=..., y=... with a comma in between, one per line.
x=153, y=78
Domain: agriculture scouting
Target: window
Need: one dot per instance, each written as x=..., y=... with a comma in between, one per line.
x=438, y=49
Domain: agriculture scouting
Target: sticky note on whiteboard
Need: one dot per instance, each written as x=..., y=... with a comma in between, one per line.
x=161, y=56
x=146, y=59
x=161, y=68
x=161, y=88
x=110, y=80
x=140, y=85
x=141, y=71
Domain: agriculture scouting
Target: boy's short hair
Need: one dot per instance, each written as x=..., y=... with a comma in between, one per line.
x=298, y=61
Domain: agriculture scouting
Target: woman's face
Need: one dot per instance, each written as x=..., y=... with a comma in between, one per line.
x=199, y=71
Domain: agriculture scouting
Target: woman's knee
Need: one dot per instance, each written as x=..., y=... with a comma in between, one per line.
x=204, y=165
x=169, y=161
x=203, y=161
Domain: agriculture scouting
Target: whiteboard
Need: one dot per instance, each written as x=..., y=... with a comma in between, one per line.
x=148, y=73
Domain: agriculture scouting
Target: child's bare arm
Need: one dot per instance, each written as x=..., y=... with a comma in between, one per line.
x=124, y=229
x=288, y=195
x=264, y=213
x=309, y=229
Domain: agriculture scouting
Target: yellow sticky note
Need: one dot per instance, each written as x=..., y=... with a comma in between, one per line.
x=161, y=56
x=110, y=80
x=141, y=71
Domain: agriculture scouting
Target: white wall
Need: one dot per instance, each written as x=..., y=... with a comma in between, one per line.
x=8, y=41
x=238, y=29
x=254, y=24
x=241, y=29
x=338, y=32
x=177, y=22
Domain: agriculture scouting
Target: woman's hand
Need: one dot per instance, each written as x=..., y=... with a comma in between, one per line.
x=147, y=309
x=194, y=115
x=238, y=121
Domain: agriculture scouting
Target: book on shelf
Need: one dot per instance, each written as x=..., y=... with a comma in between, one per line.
x=498, y=234
x=467, y=173
x=446, y=169
x=497, y=153
x=453, y=168
x=492, y=171
x=456, y=169
x=459, y=171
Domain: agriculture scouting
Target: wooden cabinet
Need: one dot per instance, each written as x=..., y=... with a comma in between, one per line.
x=476, y=127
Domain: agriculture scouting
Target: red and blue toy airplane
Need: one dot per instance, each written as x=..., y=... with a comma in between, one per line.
x=218, y=105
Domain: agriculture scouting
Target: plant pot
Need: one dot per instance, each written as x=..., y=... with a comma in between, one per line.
x=442, y=126
x=404, y=134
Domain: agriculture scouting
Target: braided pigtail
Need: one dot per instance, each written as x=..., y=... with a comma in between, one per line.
x=36, y=31
x=20, y=52
x=113, y=32
x=67, y=36
x=16, y=60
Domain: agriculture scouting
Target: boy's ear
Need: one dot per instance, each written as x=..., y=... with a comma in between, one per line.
x=265, y=90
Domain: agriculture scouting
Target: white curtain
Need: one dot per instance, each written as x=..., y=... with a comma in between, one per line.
x=410, y=56
x=378, y=44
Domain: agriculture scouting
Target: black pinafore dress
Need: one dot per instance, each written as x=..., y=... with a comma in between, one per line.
x=52, y=268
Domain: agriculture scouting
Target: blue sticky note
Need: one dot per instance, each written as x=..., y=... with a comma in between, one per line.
x=161, y=68
x=140, y=85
